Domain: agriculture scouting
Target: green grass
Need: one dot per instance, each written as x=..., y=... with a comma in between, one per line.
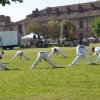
x=81, y=82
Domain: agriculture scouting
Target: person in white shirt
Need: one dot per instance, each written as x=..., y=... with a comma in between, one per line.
x=80, y=50
x=43, y=55
x=96, y=50
x=1, y=65
x=56, y=50
x=20, y=54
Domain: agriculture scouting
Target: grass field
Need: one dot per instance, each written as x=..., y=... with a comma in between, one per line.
x=81, y=82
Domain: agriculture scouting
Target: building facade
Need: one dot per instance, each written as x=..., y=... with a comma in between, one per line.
x=81, y=15
x=5, y=23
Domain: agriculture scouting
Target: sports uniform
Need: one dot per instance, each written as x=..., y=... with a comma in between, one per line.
x=21, y=54
x=56, y=50
x=96, y=50
x=80, y=50
x=43, y=55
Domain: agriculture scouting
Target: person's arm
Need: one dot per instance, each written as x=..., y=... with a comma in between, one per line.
x=77, y=50
x=88, y=51
x=14, y=57
x=51, y=53
x=94, y=54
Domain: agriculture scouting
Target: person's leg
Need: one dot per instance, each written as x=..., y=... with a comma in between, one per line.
x=75, y=61
x=61, y=53
x=49, y=61
x=3, y=67
x=25, y=57
x=37, y=61
x=14, y=57
x=51, y=53
x=98, y=58
x=89, y=60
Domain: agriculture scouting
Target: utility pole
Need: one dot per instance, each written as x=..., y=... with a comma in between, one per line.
x=24, y=31
x=61, y=33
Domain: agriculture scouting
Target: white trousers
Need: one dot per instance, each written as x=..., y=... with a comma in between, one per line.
x=59, y=51
x=43, y=56
x=81, y=55
x=98, y=58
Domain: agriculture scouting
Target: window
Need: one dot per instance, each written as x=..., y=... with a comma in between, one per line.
x=81, y=24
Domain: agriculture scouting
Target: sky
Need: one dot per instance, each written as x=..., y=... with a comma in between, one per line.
x=18, y=11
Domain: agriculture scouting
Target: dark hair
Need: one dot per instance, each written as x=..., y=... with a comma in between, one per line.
x=80, y=42
x=2, y=52
x=55, y=50
x=93, y=49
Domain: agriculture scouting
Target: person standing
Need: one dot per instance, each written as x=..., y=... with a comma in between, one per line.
x=43, y=55
x=80, y=50
x=21, y=54
x=96, y=50
x=56, y=50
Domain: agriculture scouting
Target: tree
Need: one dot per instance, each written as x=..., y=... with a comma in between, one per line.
x=68, y=30
x=54, y=29
x=38, y=28
x=96, y=27
x=4, y=2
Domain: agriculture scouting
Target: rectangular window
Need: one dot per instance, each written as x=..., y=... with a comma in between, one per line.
x=81, y=23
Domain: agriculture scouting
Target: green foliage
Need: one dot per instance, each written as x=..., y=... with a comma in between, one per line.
x=81, y=82
x=38, y=28
x=96, y=27
x=54, y=28
x=4, y=2
x=70, y=29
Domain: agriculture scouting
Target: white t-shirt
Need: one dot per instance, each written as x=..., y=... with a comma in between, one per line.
x=42, y=52
x=57, y=48
x=81, y=49
x=97, y=50
x=19, y=52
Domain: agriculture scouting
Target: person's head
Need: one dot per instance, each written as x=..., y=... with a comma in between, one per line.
x=80, y=42
x=55, y=50
x=1, y=54
x=93, y=49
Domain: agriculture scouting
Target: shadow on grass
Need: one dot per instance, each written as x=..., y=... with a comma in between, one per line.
x=94, y=64
x=14, y=69
x=5, y=63
x=60, y=67
x=48, y=68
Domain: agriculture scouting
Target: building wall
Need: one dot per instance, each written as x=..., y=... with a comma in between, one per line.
x=75, y=13
x=5, y=23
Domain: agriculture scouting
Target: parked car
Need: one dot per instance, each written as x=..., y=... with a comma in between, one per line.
x=74, y=43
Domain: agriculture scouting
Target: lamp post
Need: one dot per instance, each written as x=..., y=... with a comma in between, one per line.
x=61, y=33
